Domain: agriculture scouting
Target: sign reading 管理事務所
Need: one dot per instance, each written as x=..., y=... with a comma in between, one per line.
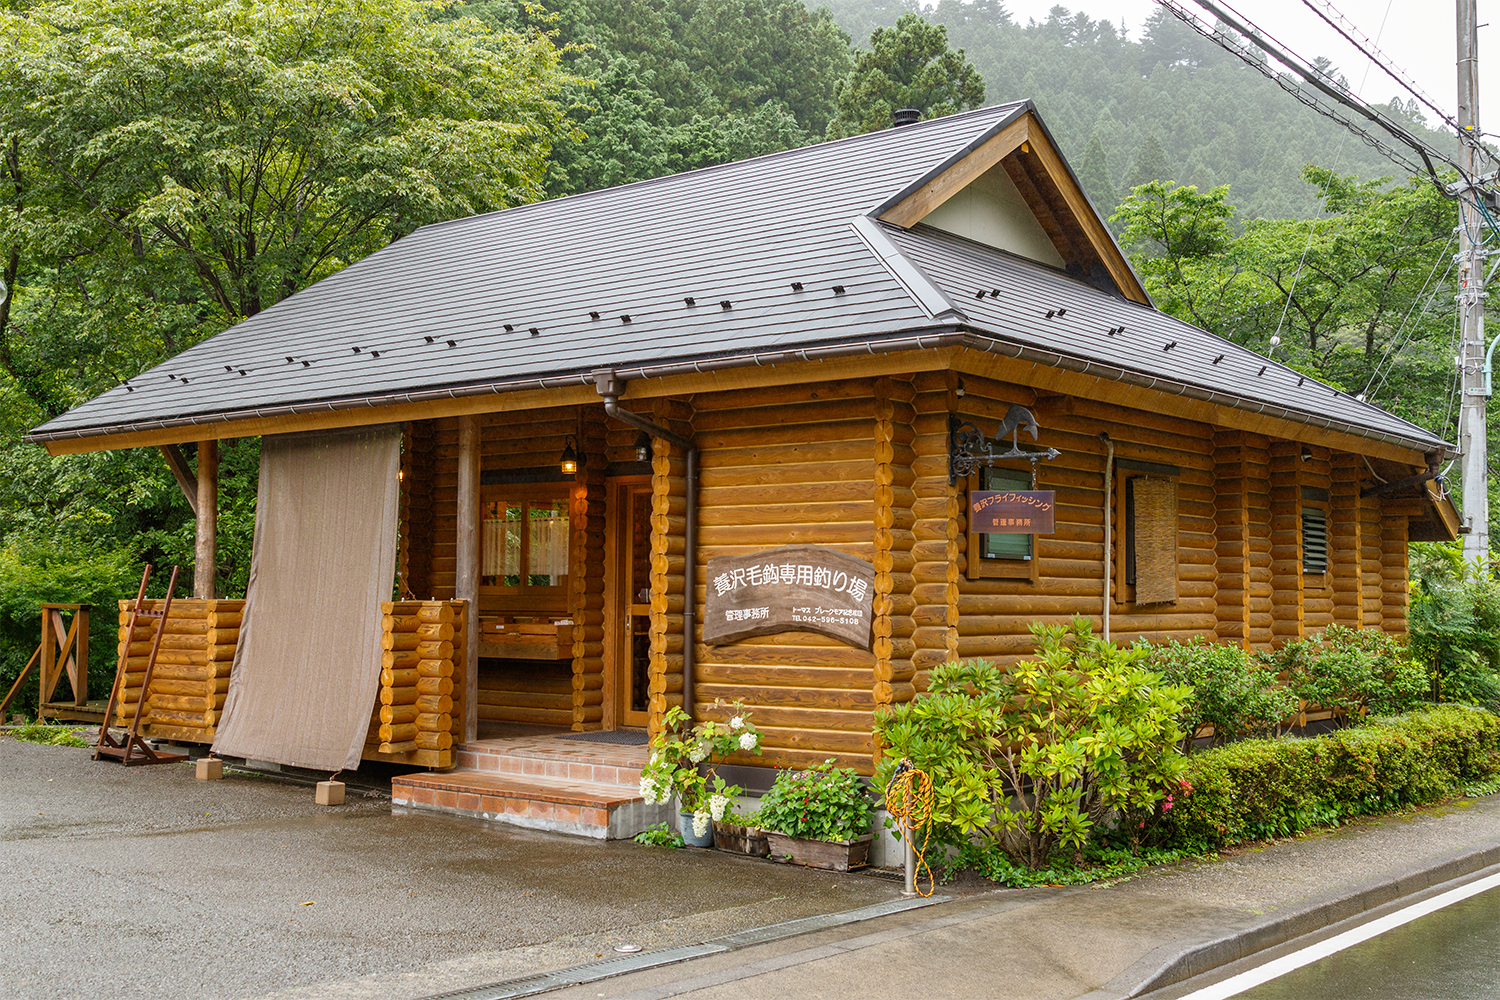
x=1011, y=512
x=793, y=588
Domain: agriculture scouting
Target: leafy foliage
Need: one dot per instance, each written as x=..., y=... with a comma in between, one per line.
x=1354, y=672
x=660, y=835
x=169, y=169
x=1235, y=693
x=823, y=802
x=1033, y=759
x=685, y=759
x=1454, y=621
x=1275, y=788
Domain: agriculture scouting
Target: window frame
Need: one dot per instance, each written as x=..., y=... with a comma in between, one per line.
x=982, y=567
x=1123, y=570
x=525, y=596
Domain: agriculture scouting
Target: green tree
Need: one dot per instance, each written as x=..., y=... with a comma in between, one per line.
x=908, y=66
x=1093, y=174
x=173, y=168
x=1150, y=164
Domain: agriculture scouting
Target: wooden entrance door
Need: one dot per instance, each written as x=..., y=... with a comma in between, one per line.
x=627, y=604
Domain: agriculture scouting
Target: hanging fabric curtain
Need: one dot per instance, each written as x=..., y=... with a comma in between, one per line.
x=307, y=665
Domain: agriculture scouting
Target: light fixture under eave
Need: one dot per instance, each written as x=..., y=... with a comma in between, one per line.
x=570, y=461
x=643, y=447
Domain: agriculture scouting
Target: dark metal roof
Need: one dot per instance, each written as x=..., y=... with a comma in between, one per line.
x=1096, y=328
x=697, y=270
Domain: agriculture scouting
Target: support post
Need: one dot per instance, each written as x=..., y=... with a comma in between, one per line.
x=206, y=552
x=466, y=582
x=1472, y=433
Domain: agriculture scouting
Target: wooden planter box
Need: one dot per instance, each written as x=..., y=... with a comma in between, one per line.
x=833, y=855
x=741, y=840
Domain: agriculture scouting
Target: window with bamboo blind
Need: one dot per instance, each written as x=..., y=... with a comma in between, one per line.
x=1146, y=568
x=1002, y=556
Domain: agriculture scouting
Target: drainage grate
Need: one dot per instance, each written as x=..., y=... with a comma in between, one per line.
x=619, y=737
x=595, y=971
x=579, y=974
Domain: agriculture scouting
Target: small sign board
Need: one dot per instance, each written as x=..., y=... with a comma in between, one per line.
x=793, y=588
x=1011, y=512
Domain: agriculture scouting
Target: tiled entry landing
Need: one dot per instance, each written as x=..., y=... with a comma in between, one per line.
x=542, y=782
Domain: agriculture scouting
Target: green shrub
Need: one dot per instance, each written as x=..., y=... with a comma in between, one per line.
x=1260, y=788
x=1455, y=631
x=1353, y=672
x=54, y=736
x=1235, y=693
x=821, y=803
x=1034, y=758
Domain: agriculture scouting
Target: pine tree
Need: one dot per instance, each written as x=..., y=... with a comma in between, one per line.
x=1150, y=164
x=1093, y=174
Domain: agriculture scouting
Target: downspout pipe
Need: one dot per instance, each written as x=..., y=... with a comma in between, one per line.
x=1109, y=501
x=610, y=386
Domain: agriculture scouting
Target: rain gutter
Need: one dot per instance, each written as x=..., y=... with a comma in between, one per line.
x=939, y=337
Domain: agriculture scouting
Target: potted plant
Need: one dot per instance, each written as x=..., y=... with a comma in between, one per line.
x=738, y=834
x=685, y=760
x=819, y=817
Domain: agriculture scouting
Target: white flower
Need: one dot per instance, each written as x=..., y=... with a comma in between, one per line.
x=736, y=722
x=717, y=805
x=700, y=823
x=649, y=791
x=747, y=741
x=699, y=753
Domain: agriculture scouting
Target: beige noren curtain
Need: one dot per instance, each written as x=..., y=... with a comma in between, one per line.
x=307, y=666
x=1155, y=541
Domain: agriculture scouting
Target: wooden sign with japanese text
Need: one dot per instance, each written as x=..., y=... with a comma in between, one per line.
x=793, y=588
x=1011, y=512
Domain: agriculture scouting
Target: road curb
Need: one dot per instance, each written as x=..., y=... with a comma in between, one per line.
x=1186, y=958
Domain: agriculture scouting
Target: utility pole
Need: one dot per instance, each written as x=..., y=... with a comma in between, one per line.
x=1473, y=438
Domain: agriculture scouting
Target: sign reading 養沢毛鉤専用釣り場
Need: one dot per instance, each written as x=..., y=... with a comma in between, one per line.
x=1011, y=512
x=793, y=588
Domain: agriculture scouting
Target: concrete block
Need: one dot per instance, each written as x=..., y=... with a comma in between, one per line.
x=210, y=769
x=330, y=793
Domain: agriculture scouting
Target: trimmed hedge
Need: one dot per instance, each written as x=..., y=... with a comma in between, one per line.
x=1261, y=788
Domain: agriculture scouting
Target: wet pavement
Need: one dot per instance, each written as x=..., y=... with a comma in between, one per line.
x=145, y=882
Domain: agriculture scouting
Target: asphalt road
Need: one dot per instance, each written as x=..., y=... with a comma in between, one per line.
x=145, y=882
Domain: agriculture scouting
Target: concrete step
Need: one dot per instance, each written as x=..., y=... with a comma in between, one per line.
x=604, y=811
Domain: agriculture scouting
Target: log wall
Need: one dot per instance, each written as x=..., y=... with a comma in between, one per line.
x=784, y=466
x=668, y=561
x=192, y=671
x=418, y=711
x=538, y=692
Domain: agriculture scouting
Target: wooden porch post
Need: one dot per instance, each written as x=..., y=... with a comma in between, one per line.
x=466, y=584
x=206, y=554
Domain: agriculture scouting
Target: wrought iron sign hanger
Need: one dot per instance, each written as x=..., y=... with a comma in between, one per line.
x=968, y=448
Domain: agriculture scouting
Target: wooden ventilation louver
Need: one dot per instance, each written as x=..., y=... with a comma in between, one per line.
x=1314, y=540
x=1155, y=503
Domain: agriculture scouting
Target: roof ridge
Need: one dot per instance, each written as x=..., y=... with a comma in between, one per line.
x=1008, y=107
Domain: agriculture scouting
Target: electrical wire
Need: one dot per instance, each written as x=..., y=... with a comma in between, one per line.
x=1443, y=255
x=1346, y=28
x=1398, y=342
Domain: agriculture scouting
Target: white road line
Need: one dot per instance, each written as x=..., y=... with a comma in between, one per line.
x=1236, y=985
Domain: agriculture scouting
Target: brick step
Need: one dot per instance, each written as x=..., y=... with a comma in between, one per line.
x=619, y=766
x=563, y=805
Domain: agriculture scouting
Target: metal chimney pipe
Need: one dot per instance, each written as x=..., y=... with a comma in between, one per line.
x=905, y=116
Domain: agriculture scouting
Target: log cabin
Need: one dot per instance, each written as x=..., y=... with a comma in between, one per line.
x=500, y=454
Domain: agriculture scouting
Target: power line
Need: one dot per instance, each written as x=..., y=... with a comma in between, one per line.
x=1339, y=23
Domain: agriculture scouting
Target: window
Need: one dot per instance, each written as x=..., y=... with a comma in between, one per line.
x=1314, y=531
x=1147, y=548
x=1002, y=555
x=525, y=543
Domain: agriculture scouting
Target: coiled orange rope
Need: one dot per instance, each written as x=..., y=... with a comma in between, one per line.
x=908, y=800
